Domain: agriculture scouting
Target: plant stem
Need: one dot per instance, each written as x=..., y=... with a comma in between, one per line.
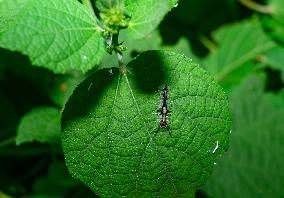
x=119, y=55
x=265, y=9
x=88, y=4
x=8, y=141
x=211, y=46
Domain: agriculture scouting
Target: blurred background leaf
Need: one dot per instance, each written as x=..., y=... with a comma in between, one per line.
x=253, y=166
x=41, y=124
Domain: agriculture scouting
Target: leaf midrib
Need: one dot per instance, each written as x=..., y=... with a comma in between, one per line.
x=150, y=140
x=239, y=62
x=108, y=133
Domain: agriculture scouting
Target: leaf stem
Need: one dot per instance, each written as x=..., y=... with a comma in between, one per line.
x=119, y=54
x=211, y=46
x=4, y=195
x=8, y=141
x=265, y=9
x=88, y=4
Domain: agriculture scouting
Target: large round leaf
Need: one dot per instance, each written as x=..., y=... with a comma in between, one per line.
x=112, y=140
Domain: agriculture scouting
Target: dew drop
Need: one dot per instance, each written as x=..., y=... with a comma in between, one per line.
x=85, y=57
x=176, y=5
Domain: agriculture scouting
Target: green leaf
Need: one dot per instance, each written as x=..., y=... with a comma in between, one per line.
x=274, y=58
x=104, y=5
x=42, y=124
x=58, y=35
x=9, y=12
x=145, y=16
x=274, y=22
x=253, y=166
x=115, y=145
x=239, y=45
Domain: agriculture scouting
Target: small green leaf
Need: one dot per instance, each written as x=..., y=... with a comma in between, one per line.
x=114, y=143
x=145, y=16
x=274, y=22
x=42, y=124
x=58, y=35
x=253, y=166
x=239, y=45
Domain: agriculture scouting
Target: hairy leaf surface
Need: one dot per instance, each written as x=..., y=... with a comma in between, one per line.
x=111, y=137
x=145, y=16
x=58, y=35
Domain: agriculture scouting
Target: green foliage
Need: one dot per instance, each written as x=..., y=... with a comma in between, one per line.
x=274, y=22
x=103, y=64
x=138, y=17
x=41, y=124
x=274, y=58
x=52, y=35
x=104, y=5
x=253, y=166
x=239, y=46
x=115, y=145
x=145, y=16
x=9, y=12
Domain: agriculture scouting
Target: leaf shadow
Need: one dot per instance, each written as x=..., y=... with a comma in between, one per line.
x=148, y=71
x=88, y=94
